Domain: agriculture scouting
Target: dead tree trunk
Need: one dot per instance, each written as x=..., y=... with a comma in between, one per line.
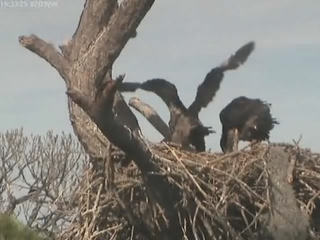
x=85, y=64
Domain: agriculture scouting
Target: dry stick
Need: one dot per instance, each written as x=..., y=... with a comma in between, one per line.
x=131, y=218
x=311, y=202
x=311, y=172
x=87, y=204
x=229, y=155
x=303, y=205
x=245, y=186
x=182, y=225
x=188, y=173
x=268, y=184
x=244, y=217
x=292, y=162
x=224, y=189
x=151, y=115
x=194, y=223
x=99, y=233
x=254, y=220
x=307, y=186
x=132, y=231
x=96, y=211
x=217, y=217
x=114, y=235
x=208, y=228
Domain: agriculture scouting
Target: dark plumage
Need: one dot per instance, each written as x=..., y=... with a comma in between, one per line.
x=245, y=119
x=184, y=124
x=211, y=84
x=185, y=128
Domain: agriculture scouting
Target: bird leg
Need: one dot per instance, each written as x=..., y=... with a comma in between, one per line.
x=232, y=140
x=235, y=140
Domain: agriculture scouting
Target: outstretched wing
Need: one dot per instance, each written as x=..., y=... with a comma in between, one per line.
x=161, y=87
x=206, y=91
x=211, y=84
x=129, y=86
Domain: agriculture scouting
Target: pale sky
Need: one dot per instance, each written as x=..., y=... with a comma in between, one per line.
x=179, y=40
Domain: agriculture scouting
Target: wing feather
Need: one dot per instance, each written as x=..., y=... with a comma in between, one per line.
x=211, y=84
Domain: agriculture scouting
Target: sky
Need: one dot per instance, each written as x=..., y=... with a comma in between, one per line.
x=180, y=41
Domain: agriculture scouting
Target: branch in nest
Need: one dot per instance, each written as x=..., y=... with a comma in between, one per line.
x=151, y=115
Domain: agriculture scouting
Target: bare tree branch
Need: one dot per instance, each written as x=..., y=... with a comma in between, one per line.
x=48, y=52
x=39, y=178
x=151, y=115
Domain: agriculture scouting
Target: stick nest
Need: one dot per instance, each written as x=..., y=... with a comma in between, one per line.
x=223, y=196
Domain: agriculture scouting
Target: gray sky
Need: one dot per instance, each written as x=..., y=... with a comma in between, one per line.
x=181, y=41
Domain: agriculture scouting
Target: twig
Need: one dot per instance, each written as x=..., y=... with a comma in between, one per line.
x=189, y=174
x=194, y=229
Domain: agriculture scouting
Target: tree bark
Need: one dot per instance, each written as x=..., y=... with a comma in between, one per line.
x=133, y=144
x=104, y=29
x=286, y=220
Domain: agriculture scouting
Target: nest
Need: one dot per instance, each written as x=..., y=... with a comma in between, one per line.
x=223, y=195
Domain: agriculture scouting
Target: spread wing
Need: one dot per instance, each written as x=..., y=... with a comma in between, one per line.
x=161, y=87
x=129, y=86
x=211, y=84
